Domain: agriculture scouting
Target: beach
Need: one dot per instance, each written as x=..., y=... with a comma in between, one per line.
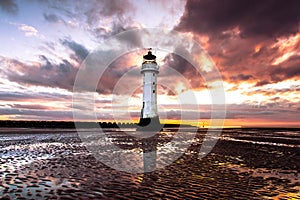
x=244, y=164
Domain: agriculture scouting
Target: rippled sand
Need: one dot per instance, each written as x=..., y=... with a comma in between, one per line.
x=52, y=164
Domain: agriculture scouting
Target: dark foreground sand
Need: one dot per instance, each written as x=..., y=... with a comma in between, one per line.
x=55, y=165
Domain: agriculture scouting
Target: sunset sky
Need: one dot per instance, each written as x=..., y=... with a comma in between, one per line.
x=255, y=45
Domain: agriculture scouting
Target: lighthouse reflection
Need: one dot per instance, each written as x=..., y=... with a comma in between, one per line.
x=132, y=151
x=149, y=147
x=128, y=150
x=144, y=142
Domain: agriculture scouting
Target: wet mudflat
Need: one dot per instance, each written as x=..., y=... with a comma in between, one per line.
x=244, y=164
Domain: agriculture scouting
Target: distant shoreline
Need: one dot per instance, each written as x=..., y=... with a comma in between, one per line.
x=71, y=125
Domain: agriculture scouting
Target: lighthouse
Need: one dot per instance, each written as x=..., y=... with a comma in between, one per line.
x=149, y=118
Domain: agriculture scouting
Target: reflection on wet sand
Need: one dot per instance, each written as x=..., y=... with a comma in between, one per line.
x=57, y=165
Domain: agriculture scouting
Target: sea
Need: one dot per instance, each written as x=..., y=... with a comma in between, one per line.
x=229, y=163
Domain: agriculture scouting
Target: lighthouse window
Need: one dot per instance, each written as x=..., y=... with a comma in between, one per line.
x=153, y=91
x=153, y=74
x=153, y=83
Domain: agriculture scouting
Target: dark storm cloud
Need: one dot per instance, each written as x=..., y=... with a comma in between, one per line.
x=117, y=26
x=102, y=32
x=41, y=113
x=9, y=6
x=242, y=35
x=51, y=18
x=80, y=51
x=288, y=69
x=63, y=74
x=115, y=7
x=178, y=63
x=253, y=17
x=133, y=40
x=44, y=96
x=46, y=65
x=184, y=68
x=109, y=81
x=261, y=83
x=30, y=107
x=241, y=77
x=94, y=10
x=92, y=14
x=117, y=11
x=46, y=74
x=15, y=96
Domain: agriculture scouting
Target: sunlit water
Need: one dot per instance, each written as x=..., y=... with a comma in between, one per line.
x=245, y=164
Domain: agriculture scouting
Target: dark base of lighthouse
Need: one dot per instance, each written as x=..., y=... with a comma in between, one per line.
x=149, y=124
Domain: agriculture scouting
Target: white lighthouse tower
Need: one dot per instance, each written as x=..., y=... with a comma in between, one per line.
x=149, y=117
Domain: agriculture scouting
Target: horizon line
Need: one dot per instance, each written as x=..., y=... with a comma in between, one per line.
x=172, y=122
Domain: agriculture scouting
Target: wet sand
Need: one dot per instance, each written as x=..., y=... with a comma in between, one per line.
x=53, y=164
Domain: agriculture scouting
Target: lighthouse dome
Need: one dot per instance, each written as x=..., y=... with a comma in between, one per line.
x=149, y=56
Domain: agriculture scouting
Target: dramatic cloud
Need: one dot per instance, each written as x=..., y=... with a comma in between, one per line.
x=30, y=107
x=254, y=44
x=80, y=51
x=241, y=77
x=101, y=18
x=184, y=68
x=51, y=18
x=288, y=69
x=251, y=41
x=9, y=6
x=62, y=75
x=120, y=77
x=251, y=17
x=18, y=96
x=107, y=8
x=48, y=114
x=46, y=74
x=118, y=13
